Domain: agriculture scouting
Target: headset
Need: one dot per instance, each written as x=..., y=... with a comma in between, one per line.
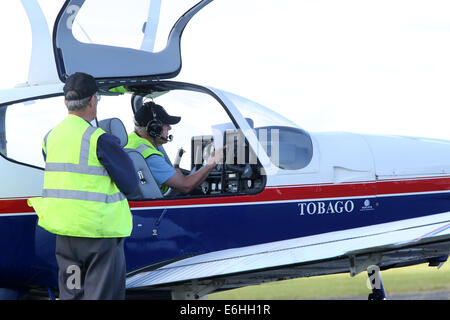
x=155, y=126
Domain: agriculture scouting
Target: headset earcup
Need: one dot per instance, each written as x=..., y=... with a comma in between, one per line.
x=154, y=128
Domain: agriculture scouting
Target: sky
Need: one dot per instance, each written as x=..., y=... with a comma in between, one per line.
x=375, y=67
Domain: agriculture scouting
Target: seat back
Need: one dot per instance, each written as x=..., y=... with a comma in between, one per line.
x=115, y=127
x=148, y=188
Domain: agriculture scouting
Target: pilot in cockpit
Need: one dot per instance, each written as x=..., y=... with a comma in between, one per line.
x=152, y=126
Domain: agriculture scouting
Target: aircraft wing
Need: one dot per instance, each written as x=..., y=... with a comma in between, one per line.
x=342, y=251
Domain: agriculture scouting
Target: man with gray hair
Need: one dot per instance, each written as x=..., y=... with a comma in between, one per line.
x=87, y=174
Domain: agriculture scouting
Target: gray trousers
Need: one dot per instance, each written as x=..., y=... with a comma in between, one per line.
x=90, y=268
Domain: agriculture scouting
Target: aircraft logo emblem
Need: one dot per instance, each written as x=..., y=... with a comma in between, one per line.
x=367, y=206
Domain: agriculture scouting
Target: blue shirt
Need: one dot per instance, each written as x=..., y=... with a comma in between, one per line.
x=161, y=170
x=117, y=162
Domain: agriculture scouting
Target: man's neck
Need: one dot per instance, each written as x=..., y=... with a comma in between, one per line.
x=82, y=115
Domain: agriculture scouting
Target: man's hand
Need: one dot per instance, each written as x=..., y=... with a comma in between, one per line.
x=186, y=184
x=216, y=157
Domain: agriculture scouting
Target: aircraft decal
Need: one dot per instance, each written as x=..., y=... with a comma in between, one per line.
x=284, y=194
x=322, y=207
x=293, y=193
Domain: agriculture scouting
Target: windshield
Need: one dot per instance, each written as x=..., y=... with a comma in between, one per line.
x=260, y=116
x=287, y=145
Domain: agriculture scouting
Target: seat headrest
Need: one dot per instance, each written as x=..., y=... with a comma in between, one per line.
x=115, y=127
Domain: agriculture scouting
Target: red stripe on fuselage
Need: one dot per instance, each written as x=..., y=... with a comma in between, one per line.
x=319, y=191
x=413, y=185
x=282, y=193
x=14, y=206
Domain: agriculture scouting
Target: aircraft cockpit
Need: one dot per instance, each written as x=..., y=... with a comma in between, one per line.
x=208, y=122
x=197, y=136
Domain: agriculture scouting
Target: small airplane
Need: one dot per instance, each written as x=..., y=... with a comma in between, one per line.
x=285, y=203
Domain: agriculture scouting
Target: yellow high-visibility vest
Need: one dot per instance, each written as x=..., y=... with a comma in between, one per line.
x=79, y=198
x=144, y=147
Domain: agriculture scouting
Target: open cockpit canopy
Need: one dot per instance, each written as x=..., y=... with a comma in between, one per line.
x=121, y=42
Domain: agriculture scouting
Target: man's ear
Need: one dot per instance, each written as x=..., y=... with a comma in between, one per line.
x=92, y=100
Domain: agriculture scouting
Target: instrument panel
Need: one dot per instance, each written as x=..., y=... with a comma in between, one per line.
x=240, y=171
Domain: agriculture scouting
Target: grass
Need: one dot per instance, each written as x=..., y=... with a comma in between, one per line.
x=414, y=279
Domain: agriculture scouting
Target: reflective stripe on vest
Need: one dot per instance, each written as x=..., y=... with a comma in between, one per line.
x=82, y=195
x=142, y=148
x=82, y=166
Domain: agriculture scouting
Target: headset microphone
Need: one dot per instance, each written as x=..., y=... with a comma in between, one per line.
x=168, y=139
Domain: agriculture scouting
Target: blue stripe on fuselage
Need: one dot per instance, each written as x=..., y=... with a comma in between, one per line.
x=28, y=250
x=193, y=230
